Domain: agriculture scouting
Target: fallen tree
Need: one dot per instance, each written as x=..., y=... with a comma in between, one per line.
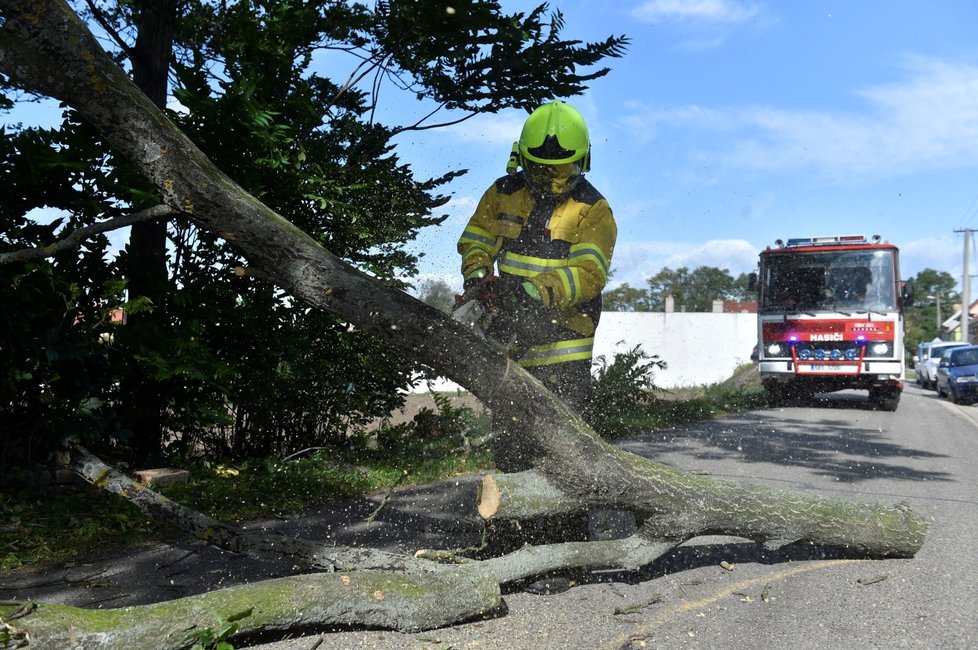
x=46, y=48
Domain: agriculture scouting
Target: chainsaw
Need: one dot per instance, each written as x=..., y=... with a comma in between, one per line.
x=492, y=307
x=475, y=307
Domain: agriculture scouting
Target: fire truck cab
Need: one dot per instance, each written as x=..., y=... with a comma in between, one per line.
x=830, y=318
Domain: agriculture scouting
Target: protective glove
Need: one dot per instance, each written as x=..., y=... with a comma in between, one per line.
x=478, y=286
x=476, y=278
x=515, y=296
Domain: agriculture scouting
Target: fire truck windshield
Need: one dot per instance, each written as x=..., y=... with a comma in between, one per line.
x=839, y=280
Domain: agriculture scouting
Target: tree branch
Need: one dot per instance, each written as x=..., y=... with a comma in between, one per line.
x=417, y=125
x=222, y=535
x=362, y=599
x=76, y=237
x=373, y=61
x=100, y=18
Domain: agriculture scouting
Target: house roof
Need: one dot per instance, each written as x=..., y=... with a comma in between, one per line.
x=954, y=322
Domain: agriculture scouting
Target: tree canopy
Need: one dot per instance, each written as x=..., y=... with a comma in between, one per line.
x=935, y=300
x=286, y=98
x=690, y=290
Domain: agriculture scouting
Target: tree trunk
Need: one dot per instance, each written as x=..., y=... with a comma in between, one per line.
x=142, y=407
x=771, y=516
x=569, y=460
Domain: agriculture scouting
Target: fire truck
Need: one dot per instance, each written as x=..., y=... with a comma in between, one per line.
x=830, y=318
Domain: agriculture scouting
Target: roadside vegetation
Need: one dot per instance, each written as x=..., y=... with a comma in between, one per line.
x=43, y=527
x=627, y=402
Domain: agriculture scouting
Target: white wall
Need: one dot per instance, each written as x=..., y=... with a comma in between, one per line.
x=699, y=348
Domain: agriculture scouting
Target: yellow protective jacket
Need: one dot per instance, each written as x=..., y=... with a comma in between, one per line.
x=563, y=246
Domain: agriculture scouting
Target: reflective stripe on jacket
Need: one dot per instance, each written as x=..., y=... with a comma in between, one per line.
x=560, y=352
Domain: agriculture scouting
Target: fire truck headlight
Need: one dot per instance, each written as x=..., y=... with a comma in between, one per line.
x=820, y=355
x=880, y=349
x=774, y=349
x=851, y=354
x=836, y=355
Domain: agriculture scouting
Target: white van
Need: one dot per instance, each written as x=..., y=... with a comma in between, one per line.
x=927, y=368
x=918, y=362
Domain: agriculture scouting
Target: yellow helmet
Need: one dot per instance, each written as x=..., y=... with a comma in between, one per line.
x=554, y=148
x=555, y=133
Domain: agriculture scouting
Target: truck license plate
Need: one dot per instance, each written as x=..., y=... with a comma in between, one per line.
x=825, y=368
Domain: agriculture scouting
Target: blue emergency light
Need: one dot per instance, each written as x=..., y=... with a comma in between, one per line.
x=826, y=241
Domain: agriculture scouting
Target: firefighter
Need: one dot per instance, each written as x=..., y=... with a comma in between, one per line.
x=547, y=235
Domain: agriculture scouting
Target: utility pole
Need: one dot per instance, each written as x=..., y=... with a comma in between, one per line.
x=966, y=289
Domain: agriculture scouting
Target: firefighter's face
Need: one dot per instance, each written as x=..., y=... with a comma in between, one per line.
x=552, y=179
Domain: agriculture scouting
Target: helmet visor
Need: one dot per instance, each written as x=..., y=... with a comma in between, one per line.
x=552, y=179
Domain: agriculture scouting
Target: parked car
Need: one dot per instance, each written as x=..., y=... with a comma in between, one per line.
x=928, y=369
x=957, y=374
x=918, y=362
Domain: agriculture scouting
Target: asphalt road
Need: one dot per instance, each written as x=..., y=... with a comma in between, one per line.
x=926, y=453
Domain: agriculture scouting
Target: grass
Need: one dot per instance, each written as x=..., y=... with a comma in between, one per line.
x=670, y=412
x=665, y=409
x=45, y=529
x=39, y=529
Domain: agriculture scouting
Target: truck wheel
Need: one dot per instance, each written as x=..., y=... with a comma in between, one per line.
x=885, y=400
x=777, y=396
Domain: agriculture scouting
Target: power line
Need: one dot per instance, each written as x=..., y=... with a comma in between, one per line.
x=971, y=211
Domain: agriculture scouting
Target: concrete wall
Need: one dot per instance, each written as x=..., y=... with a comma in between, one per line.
x=699, y=348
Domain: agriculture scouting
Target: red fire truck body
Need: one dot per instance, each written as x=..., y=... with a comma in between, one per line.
x=830, y=318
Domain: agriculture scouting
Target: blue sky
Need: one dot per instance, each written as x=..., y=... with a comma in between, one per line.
x=731, y=123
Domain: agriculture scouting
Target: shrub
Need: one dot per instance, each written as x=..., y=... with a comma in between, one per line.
x=621, y=388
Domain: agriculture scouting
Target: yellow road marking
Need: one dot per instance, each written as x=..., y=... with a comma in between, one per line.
x=665, y=615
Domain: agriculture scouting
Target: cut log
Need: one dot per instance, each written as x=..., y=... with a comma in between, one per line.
x=525, y=517
x=524, y=495
x=161, y=476
x=488, y=496
x=702, y=505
